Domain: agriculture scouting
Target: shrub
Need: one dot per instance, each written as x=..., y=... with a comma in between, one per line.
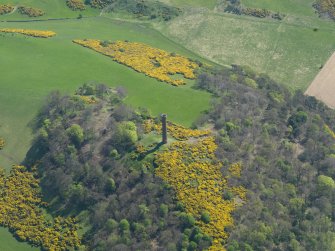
x=76, y=134
x=30, y=11
x=2, y=143
x=75, y=4
x=5, y=9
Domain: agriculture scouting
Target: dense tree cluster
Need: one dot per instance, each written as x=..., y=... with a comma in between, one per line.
x=288, y=158
x=88, y=167
x=91, y=164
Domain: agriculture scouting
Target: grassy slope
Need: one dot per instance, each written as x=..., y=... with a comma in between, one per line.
x=52, y=9
x=9, y=243
x=34, y=67
x=289, y=51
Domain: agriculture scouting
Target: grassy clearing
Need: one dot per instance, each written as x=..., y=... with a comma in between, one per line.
x=210, y=4
x=52, y=9
x=34, y=67
x=9, y=243
x=289, y=51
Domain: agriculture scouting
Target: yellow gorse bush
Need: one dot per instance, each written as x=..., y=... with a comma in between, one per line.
x=153, y=62
x=32, y=33
x=194, y=172
x=5, y=9
x=75, y=4
x=235, y=169
x=20, y=211
x=90, y=100
x=2, y=143
x=176, y=131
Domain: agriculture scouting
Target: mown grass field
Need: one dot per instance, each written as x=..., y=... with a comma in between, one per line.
x=288, y=50
x=34, y=67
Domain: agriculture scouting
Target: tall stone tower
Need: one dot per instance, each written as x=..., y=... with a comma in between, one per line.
x=164, y=128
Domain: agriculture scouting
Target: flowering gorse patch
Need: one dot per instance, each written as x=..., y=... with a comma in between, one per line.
x=191, y=168
x=32, y=33
x=21, y=212
x=153, y=62
x=176, y=131
x=90, y=100
x=2, y=143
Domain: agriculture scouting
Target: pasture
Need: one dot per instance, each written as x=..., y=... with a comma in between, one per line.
x=290, y=51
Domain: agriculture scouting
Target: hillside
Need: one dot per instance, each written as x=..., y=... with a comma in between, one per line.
x=57, y=63
x=249, y=159
x=114, y=159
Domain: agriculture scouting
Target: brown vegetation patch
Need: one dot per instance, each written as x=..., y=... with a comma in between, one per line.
x=323, y=86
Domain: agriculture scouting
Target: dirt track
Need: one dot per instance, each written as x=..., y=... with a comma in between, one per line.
x=323, y=86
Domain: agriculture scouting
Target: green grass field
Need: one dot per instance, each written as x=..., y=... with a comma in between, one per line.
x=9, y=243
x=34, y=67
x=289, y=50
